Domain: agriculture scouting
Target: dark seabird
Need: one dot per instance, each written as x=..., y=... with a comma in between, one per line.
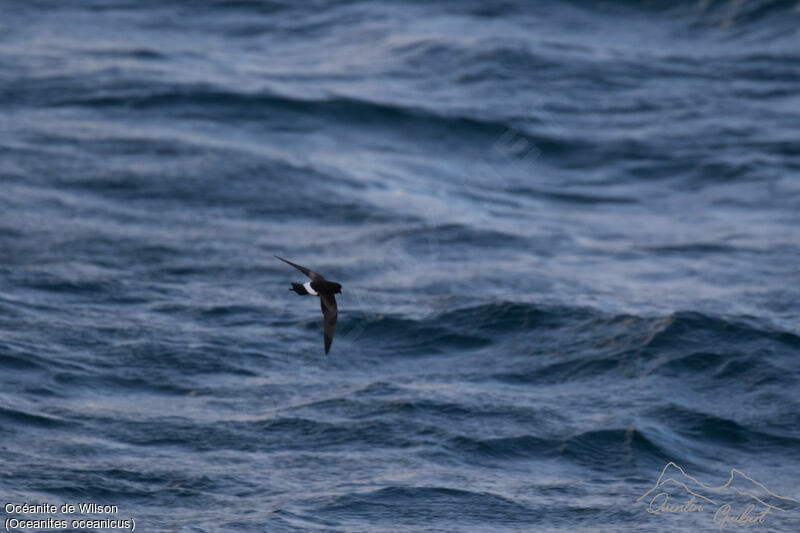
x=319, y=286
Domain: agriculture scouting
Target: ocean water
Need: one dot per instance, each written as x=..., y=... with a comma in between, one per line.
x=568, y=235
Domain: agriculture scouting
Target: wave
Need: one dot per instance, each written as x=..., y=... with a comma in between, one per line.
x=13, y=418
x=15, y=358
x=677, y=330
x=432, y=503
x=269, y=110
x=604, y=449
x=697, y=426
x=702, y=12
x=728, y=348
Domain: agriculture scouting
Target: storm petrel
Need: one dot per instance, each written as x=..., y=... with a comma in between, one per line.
x=319, y=286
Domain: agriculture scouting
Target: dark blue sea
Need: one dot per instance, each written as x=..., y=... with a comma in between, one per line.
x=568, y=235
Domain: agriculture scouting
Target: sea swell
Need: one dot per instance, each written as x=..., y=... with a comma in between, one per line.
x=566, y=235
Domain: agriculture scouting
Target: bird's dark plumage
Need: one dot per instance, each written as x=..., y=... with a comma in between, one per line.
x=330, y=312
x=319, y=286
x=308, y=272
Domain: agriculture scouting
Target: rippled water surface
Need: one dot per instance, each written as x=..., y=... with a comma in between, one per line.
x=568, y=235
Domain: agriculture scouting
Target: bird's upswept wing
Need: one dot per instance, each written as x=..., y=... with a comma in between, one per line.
x=308, y=272
x=329, y=313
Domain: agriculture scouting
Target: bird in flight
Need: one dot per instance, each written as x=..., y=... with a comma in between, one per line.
x=319, y=286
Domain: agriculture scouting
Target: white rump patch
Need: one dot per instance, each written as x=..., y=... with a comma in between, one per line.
x=309, y=290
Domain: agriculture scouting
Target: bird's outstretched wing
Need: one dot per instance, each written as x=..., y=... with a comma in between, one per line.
x=329, y=313
x=308, y=272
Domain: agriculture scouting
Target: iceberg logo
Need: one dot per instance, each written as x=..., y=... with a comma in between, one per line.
x=741, y=500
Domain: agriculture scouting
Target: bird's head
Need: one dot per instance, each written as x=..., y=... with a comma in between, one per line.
x=337, y=288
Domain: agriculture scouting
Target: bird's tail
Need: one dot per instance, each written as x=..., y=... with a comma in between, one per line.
x=299, y=289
